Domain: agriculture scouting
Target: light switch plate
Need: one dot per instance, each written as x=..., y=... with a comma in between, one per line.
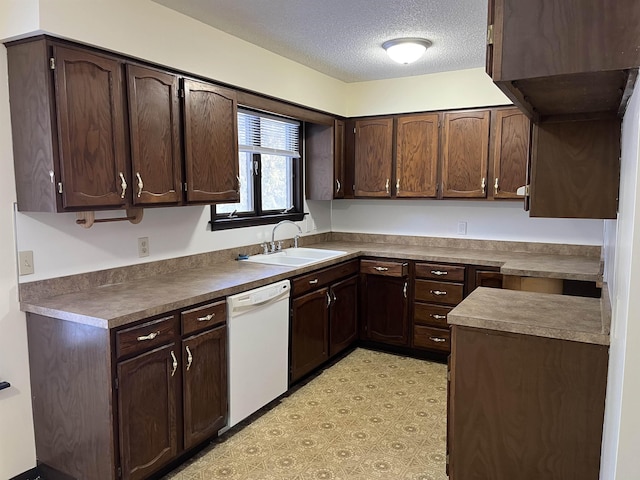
x=25, y=263
x=462, y=228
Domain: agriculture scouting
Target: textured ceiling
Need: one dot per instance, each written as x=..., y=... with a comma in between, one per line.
x=343, y=38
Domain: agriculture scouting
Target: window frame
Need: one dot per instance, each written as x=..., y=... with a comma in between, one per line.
x=258, y=216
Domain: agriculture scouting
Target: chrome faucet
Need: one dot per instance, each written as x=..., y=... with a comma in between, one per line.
x=275, y=248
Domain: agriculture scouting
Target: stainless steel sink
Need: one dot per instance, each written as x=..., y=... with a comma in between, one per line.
x=296, y=257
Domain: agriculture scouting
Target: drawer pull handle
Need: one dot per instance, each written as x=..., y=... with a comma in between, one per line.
x=437, y=339
x=189, y=357
x=206, y=318
x=439, y=272
x=175, y=363
x=381, y=269
x=313, y=282
x=438, y=317
x=151, y=336
x=437, y=292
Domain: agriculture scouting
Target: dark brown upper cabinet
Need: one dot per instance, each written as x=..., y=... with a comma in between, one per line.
x=67, y=116
x=154, y=126
x=417, y=155
x=465, y=149
x=511, y=133
x=373, y=157
x=325, y=160
x=564, y=58
x=211, y=143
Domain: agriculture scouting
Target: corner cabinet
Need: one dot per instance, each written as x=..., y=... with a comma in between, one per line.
x=211, y=143
x=156, y=389
x=509, y=155
x=325, y=160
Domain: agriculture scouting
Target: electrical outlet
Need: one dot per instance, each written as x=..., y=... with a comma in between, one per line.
x=143, y=247
x=25, y=263
x=462, y=228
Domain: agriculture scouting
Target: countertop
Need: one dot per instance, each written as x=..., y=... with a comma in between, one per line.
x=114, y=305
x=539, y=314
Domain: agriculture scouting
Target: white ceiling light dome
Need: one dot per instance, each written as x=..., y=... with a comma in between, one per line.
x=406, y=50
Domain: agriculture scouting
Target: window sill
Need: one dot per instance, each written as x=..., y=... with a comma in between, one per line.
x=239, y=222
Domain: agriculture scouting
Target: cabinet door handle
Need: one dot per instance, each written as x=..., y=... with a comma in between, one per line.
x=140, y=184
x=404, y=290
x=189, y=357
x=437, y=292
x=439, y=272
x=397, y=185
x=484, y=185
x=328, y=300
x=338, y=186
x=495, y=186
x=437, y=339
x=335, y=299
x=438, y=317
x=151, y=336
x=381, y=269
x=123, y=185
x=313, y=282
x=386, y=186
x=206, y=318
x=175, y=363
x=239, y=183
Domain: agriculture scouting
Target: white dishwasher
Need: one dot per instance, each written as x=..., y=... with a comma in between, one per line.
x=258, y=324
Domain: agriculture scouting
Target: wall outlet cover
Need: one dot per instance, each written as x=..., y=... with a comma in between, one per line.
x=143, y=247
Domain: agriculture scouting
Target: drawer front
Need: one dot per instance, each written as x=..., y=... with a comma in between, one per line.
x=440, y=272
x=323, y=277
x=384, y=267
x=439, y=292
x=203, y=317
x=146, y=336
x=432, y=338
x=431, y=315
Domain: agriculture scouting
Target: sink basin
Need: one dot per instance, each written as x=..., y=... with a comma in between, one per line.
x=296, y=257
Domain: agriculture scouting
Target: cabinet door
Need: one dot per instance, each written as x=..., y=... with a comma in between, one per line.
x=211, y=143
x=384, y=309
x=373, y=153
x=510, y=151
x=204, y=360
x=417, y=156
x=343, y=318
x=309, y=332
x=465, y=149
x=147, y=411
x=90, y=114
x=154, y=132
x=338, y=159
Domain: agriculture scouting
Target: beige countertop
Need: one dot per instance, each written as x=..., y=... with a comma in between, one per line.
x=118, y=304
x=563, y=317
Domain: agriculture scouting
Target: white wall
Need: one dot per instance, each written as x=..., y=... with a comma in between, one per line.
x=439, y=218
x=439, y=91
x=622, y=417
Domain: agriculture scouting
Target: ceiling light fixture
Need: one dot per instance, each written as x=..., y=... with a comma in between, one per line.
x=406, y=50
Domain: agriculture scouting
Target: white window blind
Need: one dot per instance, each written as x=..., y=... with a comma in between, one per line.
x=261, y=133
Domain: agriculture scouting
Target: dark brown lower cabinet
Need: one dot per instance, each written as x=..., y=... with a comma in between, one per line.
x=324, y=316
x=123, y=403
x=384, y=304
x=309, y=332
x=343, y=317
x=205, y=395
x=525, y=407
x=147, y=407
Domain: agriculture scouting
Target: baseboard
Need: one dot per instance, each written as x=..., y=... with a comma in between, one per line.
x=33, y=474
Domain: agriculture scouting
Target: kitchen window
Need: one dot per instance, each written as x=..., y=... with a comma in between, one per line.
x=270, y=173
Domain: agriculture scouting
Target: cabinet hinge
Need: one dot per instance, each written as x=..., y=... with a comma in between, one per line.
x=490, y=35
x=185, y=186
x=181, y=92
x=59, y=187
x=116, y=383
x=448, y=375
x=119, y=472
x=447, y=459
x=354, y=129
x=52, y=63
